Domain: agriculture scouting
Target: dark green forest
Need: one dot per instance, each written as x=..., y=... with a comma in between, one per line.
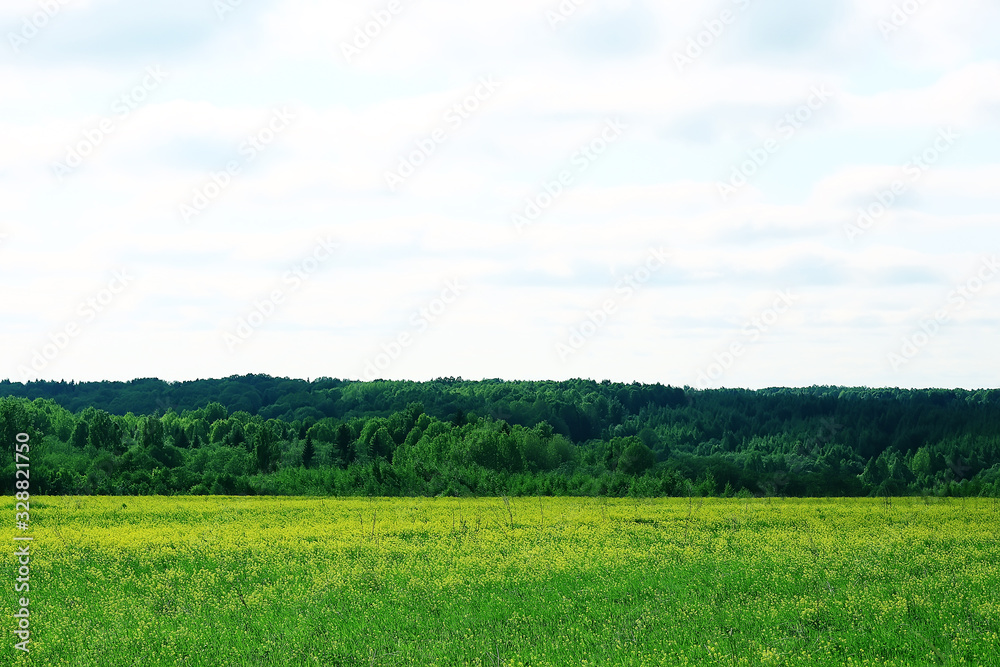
x=257, y=434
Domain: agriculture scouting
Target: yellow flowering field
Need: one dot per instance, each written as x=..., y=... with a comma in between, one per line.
x=528, y=581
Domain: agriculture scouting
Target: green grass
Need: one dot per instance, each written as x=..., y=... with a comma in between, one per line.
x=239, y=581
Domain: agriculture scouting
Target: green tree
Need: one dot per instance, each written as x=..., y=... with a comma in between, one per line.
x=237, y=436
x=344, y=440
x=876, y=471
x=308, y=452
x=265, y=449
x=921, y=464
x=81, y=435
x=104, y=433
x=151, y=433
x=14, y=419
x=382, y=443
x=636, y=459
x=220, y=430
x=215, y=411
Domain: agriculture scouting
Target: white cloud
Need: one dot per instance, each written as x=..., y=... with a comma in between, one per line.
x=654, y=186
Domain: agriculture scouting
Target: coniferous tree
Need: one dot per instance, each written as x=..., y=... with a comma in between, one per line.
x=308, y=452
x=344, y=441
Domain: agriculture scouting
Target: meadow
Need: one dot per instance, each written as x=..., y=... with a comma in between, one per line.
x=524, y=581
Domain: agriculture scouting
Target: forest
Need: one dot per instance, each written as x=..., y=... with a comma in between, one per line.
x=263, y=435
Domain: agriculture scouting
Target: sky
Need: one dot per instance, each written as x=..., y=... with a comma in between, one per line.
x=743, y=193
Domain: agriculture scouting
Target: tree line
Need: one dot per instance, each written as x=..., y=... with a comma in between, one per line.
x=258, y=434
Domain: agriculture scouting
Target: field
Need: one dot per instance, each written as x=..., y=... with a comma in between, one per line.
x=552, y=581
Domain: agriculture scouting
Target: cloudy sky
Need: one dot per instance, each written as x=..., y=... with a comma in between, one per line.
x=739, y=193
